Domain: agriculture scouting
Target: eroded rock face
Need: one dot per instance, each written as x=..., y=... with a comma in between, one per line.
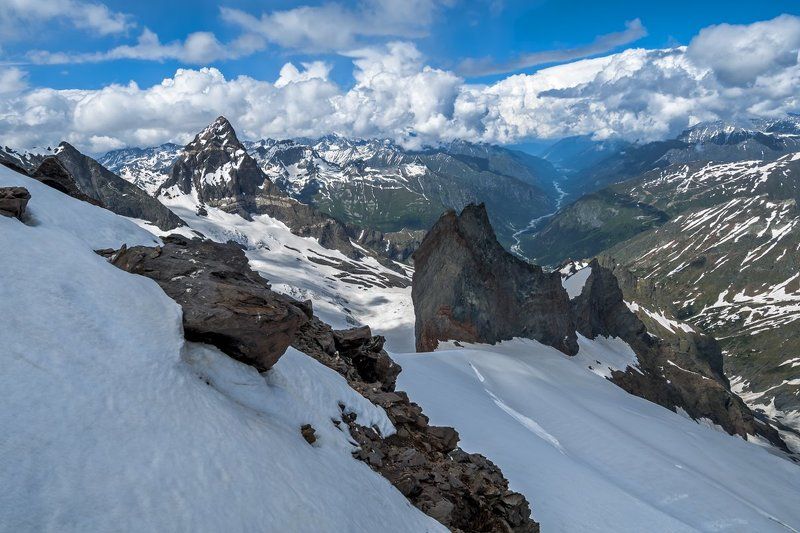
x=14, y=201
x=678, y=368
x=467, y=287
x=52, y=173
x=224, y=302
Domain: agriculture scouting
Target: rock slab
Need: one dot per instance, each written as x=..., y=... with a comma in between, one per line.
x=225, y=303
x=14, y=201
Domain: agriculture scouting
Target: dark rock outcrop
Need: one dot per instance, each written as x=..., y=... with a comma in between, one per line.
x=677, y=368
x=467, y=287
x=14, y=201
x=466, y=492
x=224, y=302
x=52, y=173
x=113, y=192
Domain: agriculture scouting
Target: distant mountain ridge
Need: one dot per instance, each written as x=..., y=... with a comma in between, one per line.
x=717, y=245
x=377, y=184
x=594, y=164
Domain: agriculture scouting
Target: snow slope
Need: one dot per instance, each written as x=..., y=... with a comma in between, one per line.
x=296, y=266
x=111, y=422
x=591, y=457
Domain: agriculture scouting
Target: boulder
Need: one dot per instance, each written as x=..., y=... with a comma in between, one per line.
x=308, y=433
x=224, y=302
x=467, y=287
x=14, y=201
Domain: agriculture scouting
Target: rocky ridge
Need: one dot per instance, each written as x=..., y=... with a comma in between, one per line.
x=466, y=492
x=377, y=183
x=215, y=170
x=228, y=305
x=467, y=288
x=718, y=243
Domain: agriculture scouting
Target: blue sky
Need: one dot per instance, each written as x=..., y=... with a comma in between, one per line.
x=500, y=29
x=105, y=74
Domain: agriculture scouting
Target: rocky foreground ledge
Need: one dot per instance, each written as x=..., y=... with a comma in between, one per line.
x=226, y=304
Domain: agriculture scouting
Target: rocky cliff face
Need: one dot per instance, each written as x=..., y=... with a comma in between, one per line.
x=113, y=192
x=216, y=166
x=678, y=368
x=51, y=172
x=467, y=287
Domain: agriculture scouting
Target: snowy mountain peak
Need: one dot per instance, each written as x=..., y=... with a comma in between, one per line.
x=146, y=168
x=216, y=166
x=734, y=132
x=219, y=133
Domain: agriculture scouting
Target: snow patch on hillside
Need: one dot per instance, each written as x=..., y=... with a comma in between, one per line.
x=111, y=422
x=575, y=281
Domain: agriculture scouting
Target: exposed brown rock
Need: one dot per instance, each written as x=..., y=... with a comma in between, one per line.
x=14, y=201
x=308, y=433
x=224, y=302
x=679, y=369
x=465, y=492
x=467, y=287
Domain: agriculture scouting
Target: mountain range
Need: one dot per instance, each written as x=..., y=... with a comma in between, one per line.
x=275, y=313
x=379, y=185
x=712, y=243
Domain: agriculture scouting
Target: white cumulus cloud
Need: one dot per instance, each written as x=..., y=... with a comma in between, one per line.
x=739, y=54
x=198, y=48
x=637, y=94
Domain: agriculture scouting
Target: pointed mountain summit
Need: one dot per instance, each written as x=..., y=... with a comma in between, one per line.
x=215, y=170
x=218, y=169
x=467, y=287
